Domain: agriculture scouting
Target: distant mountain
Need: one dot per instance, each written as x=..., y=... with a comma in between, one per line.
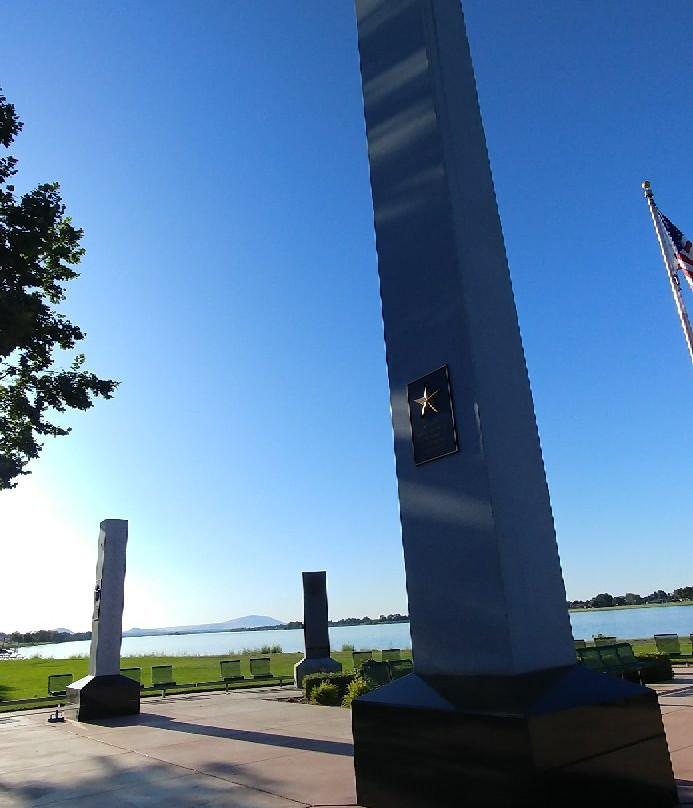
x=63, y=631
x=237, y=624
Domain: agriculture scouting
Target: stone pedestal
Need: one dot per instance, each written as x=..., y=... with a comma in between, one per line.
x=567, y=736
x=315, y=629
x=104, y=693
x=107, y=696
x=318, y=665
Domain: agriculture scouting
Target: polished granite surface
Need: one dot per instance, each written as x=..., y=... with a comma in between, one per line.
x=511, y=741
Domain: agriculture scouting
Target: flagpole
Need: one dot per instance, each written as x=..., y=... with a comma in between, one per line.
x=671, y=271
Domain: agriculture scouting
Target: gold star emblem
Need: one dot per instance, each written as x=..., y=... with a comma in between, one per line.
x=426, y=401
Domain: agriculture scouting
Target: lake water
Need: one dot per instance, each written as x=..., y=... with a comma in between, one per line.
x=623, y=623
x=629, y=624
x=383, y=635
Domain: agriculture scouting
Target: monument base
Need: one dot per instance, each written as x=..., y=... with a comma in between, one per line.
x=102, y=697
x=566, y=736
x=319, y=665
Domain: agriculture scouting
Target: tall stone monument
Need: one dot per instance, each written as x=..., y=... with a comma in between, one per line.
x=104, y=692
x=315, y=629
x=497, y=712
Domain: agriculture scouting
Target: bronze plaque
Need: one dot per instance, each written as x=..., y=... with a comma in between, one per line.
x=431, y=416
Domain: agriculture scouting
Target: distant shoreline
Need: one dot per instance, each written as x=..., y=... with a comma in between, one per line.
x=344, y=624
x=279, y=627
x=630, y=606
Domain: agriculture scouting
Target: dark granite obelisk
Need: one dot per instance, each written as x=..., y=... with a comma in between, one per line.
x=497, y=713
x=315, y=629
x=104, y=692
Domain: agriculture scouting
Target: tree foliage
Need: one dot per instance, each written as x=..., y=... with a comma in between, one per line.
x=633, y=599
x=39, y=248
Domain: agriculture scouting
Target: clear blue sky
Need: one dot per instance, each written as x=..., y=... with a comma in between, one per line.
x=215, y=155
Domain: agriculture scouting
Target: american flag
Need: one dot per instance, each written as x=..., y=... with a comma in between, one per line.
x=681, y=246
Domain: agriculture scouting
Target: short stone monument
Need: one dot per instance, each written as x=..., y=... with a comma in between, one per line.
x=315, y=629
x=497, y=712
x=104, y=692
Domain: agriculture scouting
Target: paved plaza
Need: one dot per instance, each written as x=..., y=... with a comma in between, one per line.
x=251, y=749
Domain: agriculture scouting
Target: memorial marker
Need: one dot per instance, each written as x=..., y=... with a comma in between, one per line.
x=315, y=629
x=104, y=691
x=497, y=712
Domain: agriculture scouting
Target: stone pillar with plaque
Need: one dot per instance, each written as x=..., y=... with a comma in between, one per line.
x=315, y=629
x=105, y=692
x=497, y=712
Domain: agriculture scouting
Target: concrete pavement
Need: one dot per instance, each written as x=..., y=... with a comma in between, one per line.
x=244, y=749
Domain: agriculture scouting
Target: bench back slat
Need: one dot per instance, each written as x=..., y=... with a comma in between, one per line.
x=231, y=669
x=668, y=643
x=604, y=640
x=589, y=657
x=377, y=672
x=58, y=682
x=626, y=654
x=162, y=675
x=609, y=656
x=400, y=667
x=360, y=657
x=260, y=668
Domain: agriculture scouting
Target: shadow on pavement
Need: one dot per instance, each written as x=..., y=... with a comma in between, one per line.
x=249, y=736
x=682, y=692
x=131, y=780
x=273, y=739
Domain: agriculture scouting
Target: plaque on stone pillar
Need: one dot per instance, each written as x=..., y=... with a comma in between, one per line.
x=431, y=416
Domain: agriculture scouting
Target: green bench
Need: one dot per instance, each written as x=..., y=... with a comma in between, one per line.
x=360, y=657
x=58, y=682
x=260, y=669
x=400, y=667
x=231, y=672
x=382, y=673
x=616, y=659
x=375, y=672
x=670, y=645
x=132, y=673
x=162, y=678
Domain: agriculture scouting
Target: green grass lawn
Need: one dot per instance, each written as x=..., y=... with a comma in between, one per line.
x=28, y=678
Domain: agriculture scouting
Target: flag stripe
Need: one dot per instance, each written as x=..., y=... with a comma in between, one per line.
x=681, y=246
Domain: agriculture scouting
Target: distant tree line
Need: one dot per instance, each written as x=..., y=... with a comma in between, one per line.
x=48, y=635
x=44, y=635
x=371, y=621
x=604, y=599
x=354, y=621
